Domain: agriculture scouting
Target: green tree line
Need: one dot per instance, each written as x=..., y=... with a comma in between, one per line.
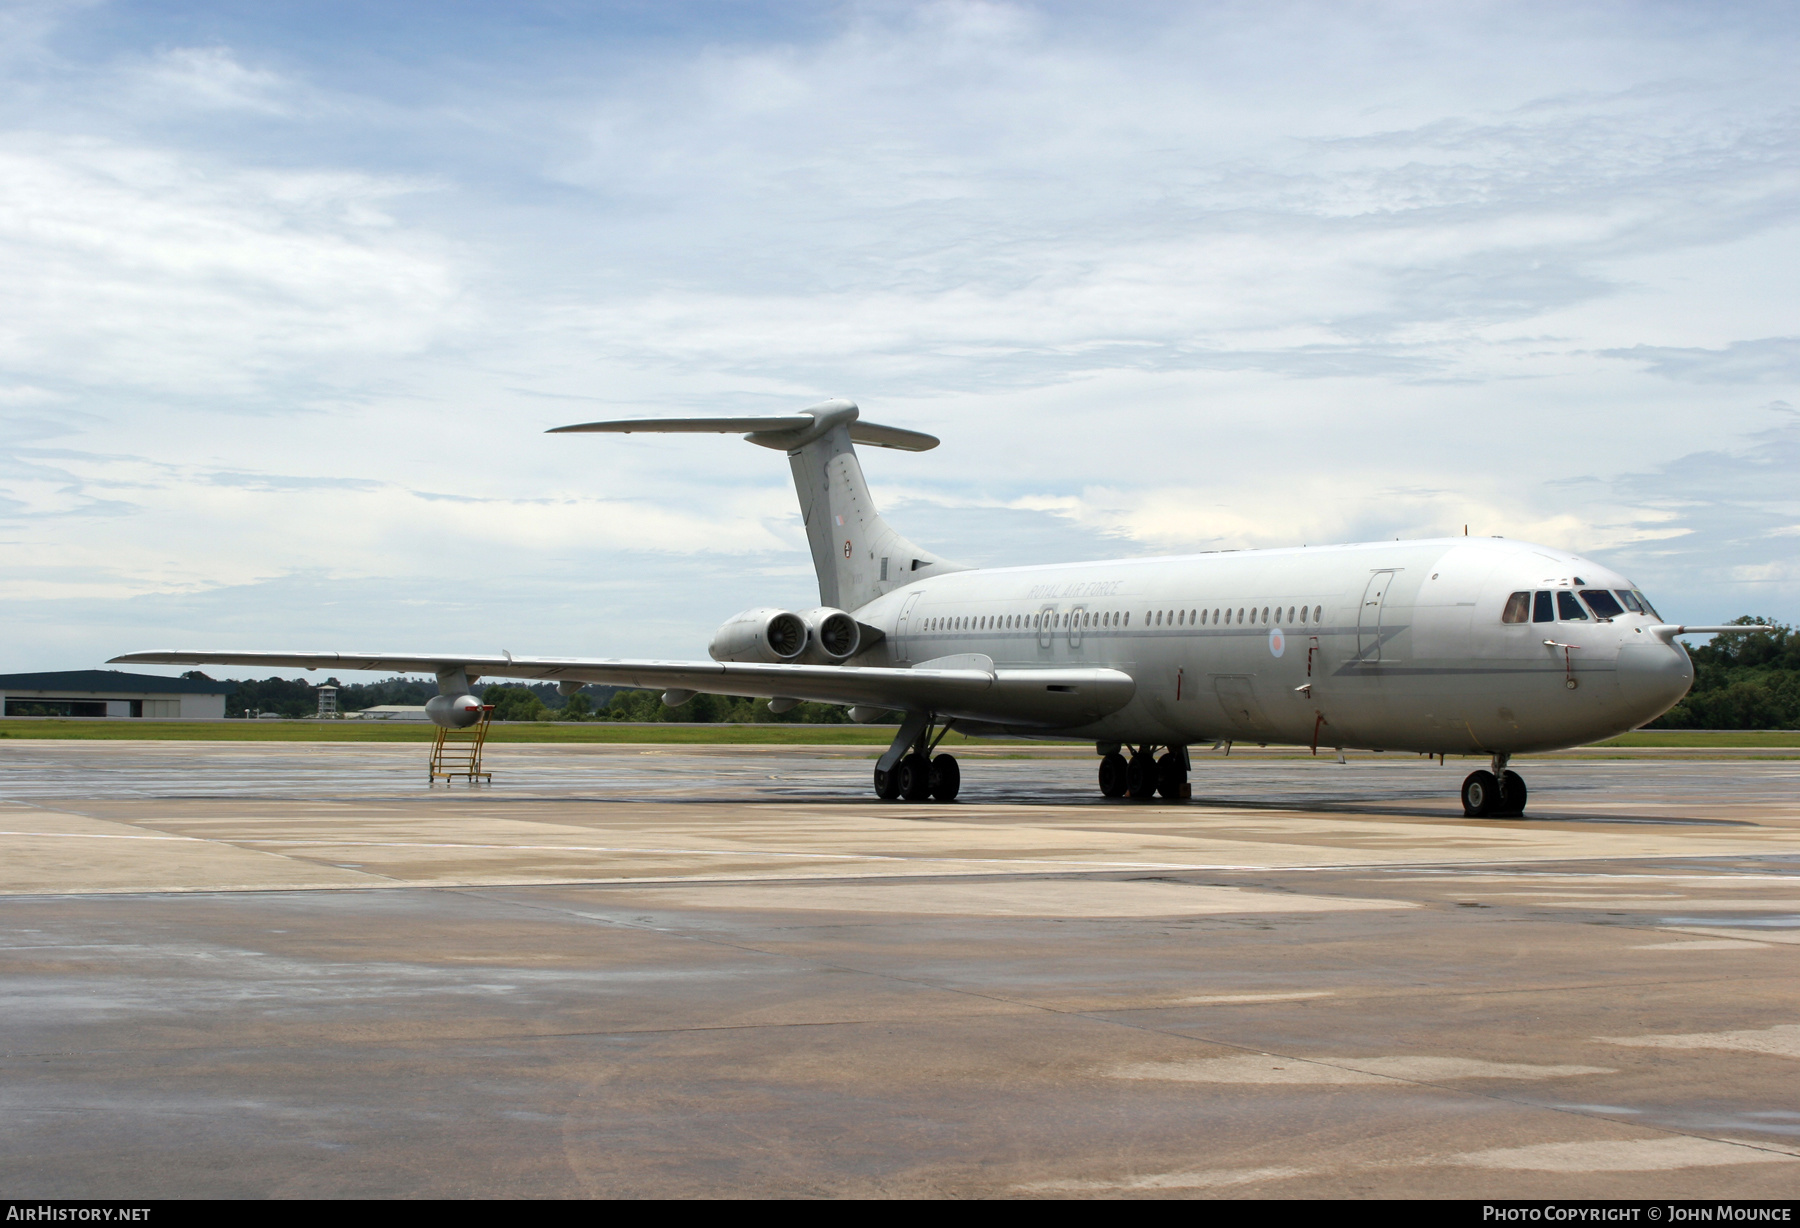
x=516, y=703
x=298, y=697
x=541, y=701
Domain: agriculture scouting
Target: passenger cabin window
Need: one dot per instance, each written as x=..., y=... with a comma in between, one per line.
x=1602, y=603
x=1518, y=609
x=1542, y=611
x=1569, y=608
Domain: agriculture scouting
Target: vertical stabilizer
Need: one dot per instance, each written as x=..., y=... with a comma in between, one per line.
x=857, y=555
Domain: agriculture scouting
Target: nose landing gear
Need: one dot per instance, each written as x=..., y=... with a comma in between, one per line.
x=1499, y=794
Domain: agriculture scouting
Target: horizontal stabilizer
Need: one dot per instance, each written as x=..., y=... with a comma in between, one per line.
x=689, y=426
x=857, y=555
x=878, y=436
x=786, y=432
x=1035, y=698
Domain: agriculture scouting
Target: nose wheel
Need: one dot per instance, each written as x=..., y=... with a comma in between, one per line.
x=1499, y=794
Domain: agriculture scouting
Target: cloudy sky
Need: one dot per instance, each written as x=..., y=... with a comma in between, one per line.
x=288, y=295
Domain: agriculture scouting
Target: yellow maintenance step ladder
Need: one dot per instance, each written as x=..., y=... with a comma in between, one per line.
x=457, y=752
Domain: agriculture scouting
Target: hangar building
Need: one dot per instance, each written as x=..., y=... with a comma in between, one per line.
x=111, y=692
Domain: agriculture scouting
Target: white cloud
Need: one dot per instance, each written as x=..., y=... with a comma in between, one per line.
x=143, y=269
x=213, y=77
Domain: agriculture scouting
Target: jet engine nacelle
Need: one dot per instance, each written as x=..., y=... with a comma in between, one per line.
x=761, y=636
x=833, y=637
x=453, y=711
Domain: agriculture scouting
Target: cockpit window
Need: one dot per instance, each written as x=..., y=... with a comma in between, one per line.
x=1648, y=608
x=1518, y=609
x=1568, y=608
x=1541, y=609
x=1602, y=603
x=1629, y=600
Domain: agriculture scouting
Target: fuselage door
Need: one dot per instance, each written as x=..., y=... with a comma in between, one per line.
x=1368, y=618
x=1046, y=627
x=902, y=647
x=1075, y=617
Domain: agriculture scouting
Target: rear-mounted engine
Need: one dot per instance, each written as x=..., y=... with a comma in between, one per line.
x=833, y=637
x=761, y=636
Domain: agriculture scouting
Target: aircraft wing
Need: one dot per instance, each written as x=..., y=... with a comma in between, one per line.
x=1041, y=698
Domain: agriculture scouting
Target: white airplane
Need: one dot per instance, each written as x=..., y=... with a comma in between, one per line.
x=1448, y=646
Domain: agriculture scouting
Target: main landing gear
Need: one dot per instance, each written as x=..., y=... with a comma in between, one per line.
x=910, y=771
x=1499, y=794
x=1143, y=775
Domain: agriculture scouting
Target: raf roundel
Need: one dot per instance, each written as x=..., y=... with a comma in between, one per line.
x=1277, y=642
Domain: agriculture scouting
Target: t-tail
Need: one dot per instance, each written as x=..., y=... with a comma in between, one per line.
x=858, y=556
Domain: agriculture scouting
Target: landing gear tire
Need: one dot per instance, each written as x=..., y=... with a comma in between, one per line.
x=1140, y=778
x=1113, y=775
x=1510, y=803
x=915, y=777
x=1480, y=795
x=1171, y=776
x=887, y=785
x=946, y=778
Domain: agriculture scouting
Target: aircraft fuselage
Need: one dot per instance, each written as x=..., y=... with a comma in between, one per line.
x=1383, y=645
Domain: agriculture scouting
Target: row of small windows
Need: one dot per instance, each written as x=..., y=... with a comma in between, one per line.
x=1115, y=618
x=1020, y=622
x=1561, y=605
x=1203, y=618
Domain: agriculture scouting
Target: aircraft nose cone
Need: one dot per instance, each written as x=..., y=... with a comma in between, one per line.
x=1652, y=679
